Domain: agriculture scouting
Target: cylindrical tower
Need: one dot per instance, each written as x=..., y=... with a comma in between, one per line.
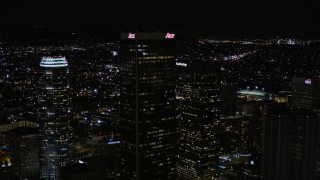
x=54, y=115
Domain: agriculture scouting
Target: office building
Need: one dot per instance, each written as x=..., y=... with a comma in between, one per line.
x=228, y=99
x=24, y=151
x=54, y=116
x=290, y=144
x=198, y=116
x=305, y=93
x=147, y=110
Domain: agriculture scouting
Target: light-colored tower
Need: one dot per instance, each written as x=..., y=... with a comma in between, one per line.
x=54, y=115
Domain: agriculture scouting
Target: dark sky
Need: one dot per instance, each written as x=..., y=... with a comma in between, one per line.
x=195, y=15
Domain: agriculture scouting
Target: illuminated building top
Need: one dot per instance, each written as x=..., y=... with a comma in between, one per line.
x=147, y=36
x=54, y=61
x=307, y=81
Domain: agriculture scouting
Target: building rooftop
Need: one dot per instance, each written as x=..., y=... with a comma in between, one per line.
x=146, y=35
x=282, y=110
x=78, y=169
x=54, y=61
x=25, y=130
x=252, y=92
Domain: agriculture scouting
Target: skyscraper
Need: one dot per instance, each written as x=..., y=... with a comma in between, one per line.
x=228, y=99
x=290, y=144
x=54, y=114
x=24, y=145
x=253, y=114
x=198, y=108
x=147, y=111
x=305, y=94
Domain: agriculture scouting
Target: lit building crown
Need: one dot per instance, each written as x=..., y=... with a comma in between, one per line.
x=53, y=61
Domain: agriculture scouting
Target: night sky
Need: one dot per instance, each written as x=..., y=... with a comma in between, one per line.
x=249, y=16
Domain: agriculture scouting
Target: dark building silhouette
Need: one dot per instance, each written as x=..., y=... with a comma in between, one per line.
x=252, y=113
x=250, y=135
x=54, y=115
x=97, y=167
x=24, y=145
x=290, y=144
x=79, y=171
x=147, y=110
x=305, y=94
x=198, y=116
x=228, y=99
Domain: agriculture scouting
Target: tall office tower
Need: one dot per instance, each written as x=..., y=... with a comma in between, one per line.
x=198, y=116
x=255, y=129
x=147, y=111
x=24, y=145
x=253, y=116
x=250, y=135
x=54, y=114
x=305, y=94
x=228, y=99
x=304, y=148
x=290, y=144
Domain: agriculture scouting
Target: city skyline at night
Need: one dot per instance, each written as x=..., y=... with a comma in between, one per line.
x=219, y=93
x=159, y=90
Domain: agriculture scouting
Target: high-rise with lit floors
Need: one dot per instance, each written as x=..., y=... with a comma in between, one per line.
x=54, y=115
x=147, y=111
x=198, y=116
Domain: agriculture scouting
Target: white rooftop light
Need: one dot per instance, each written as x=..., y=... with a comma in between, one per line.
x=54, y=61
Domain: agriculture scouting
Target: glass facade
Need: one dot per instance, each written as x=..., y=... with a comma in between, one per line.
x=54, y=115
x=147, y=111
x=198, y=108
x=290, y=144
x=24, y=142
x=305, y=93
